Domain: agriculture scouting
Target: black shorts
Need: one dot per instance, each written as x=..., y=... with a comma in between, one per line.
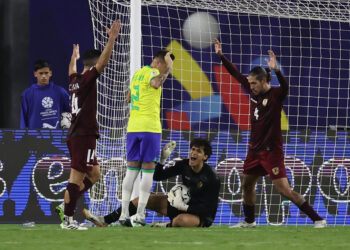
x=173, y=212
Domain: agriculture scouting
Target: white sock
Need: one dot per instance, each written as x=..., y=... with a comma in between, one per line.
x=128, y=183
x=145, y=190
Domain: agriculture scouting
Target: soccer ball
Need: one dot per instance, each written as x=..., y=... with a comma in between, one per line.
x=185, y=192
x=199, y=30
x=66, y=118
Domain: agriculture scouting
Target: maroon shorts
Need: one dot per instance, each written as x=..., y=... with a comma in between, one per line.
x=265, y=162
x=82, y=151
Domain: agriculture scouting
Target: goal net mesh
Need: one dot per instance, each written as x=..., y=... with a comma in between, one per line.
x=311, y=40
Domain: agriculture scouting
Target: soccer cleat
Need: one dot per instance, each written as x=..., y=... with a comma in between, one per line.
x=125, y=222
x=70, y=224
x=137, y=221
x=320, y=224
x=60, y=211
x=97, y=220
x=244, y=224
x=159, y=224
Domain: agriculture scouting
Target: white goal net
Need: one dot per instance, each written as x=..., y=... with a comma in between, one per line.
x=311, y=40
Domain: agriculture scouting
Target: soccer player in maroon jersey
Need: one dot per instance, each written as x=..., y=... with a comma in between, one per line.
x=265, y=155
x=82, y=135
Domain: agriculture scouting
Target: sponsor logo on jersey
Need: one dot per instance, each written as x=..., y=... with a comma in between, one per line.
x=253, y=100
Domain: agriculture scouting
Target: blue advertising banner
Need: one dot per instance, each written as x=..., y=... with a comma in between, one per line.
x=35, y=164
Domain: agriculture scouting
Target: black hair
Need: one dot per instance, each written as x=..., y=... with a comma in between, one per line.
x=90, y=57
x=39, y=64
x=201, y=142
x=161, y=54
x=261, y=73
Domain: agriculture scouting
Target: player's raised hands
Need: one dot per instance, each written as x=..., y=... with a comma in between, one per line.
x=166, y=152
x=272, y=63
x=76, y=53
x=113, y=32
x=168, y=60
x=218, y=47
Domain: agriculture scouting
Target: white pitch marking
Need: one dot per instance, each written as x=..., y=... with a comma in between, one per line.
x=178, y=242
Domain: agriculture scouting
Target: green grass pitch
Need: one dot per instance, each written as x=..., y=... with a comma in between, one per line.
x=216, y=237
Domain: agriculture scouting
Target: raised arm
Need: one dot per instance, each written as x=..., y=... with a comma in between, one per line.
x=284, y=86
x=113, y=33
x=158, y=81
x=73, y=61
x=230, y=67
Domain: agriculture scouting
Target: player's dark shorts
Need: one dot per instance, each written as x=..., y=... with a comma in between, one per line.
x=265, y=162
x=82, y=151
x=143, y=146
x=173, y=212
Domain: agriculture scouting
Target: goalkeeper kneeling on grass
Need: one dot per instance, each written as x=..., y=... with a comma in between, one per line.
x=199, y=178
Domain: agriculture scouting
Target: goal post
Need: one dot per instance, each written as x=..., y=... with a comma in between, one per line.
x=311, y=40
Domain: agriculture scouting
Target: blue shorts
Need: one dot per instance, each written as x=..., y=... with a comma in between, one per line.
x=143, y=146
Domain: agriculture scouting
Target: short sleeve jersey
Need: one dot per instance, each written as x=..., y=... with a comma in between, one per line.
x=145, y=102
x=83, y=101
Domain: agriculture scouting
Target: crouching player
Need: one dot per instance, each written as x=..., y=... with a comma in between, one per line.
x=201, y=180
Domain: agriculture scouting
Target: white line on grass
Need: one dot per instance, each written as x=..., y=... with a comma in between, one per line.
x=178, y=242
x=10, y=242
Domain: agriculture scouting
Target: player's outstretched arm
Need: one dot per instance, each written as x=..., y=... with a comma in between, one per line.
x=229, y=66
x=272, y=63
x=113, y=33
x=166, y=152
x=73, y=60
x=218, y=47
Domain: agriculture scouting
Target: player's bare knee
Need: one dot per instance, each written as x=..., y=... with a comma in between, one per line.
x=179, y=221
x=185, y=221
x=95, y=175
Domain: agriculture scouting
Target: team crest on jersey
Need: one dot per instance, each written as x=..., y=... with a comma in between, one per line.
x=264, y=103
x=153, y=73
x=276, y=171
x=199, y=184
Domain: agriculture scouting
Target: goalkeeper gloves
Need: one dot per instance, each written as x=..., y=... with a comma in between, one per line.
x=176, y=200
x=166, y=152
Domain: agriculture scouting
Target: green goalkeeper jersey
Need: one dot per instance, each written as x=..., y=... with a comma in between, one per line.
x=145, y=102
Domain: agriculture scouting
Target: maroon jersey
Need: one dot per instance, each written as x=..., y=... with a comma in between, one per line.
x=265, y=111
x=83, y=101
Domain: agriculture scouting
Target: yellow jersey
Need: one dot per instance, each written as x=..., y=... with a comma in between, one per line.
x=145, y=102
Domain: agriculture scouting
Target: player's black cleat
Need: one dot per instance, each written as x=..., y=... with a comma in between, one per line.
x=125, y=223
